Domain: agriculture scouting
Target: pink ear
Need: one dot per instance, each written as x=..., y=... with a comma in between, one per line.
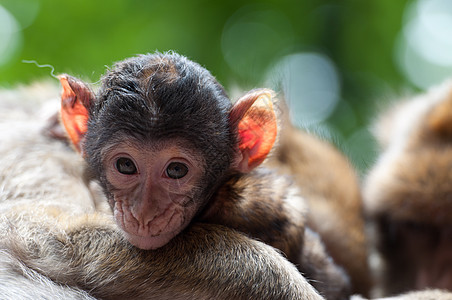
x=257, y=127
x=75, y=99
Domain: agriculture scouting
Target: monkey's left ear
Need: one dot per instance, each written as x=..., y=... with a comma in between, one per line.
x=255, y=120
x=75, y=101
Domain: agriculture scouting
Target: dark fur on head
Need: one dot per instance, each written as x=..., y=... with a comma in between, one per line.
x=162, y=96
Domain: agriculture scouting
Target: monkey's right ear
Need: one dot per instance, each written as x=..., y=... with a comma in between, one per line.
x=254, y=118
x=75, y=102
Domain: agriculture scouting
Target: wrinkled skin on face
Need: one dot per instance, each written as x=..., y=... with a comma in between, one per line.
x=152, y=190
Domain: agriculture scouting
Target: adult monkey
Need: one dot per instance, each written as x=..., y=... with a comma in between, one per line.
x=169, y=148
x=407, y=193
x=55, y=245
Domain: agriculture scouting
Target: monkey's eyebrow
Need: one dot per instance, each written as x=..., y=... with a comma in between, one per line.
x=188, y=150
x=122, y=140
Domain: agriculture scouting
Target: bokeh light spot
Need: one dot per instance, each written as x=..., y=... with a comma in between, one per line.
x=311, y=86
x=251, y=39
x=10, y=36
x=424, y=47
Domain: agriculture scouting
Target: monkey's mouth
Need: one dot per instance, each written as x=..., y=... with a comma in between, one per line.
x=152, y=233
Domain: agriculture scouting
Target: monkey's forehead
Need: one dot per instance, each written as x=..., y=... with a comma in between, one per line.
x=126, y=141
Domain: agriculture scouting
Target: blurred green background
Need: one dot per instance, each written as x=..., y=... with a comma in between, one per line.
x=338, y=61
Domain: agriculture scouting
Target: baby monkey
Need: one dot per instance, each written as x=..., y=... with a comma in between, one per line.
x=169, y=148
x=162, y=138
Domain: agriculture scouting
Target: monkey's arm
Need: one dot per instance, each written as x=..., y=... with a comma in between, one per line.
x=204, y=262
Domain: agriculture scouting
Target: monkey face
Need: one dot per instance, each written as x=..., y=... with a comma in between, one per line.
x=153, y=190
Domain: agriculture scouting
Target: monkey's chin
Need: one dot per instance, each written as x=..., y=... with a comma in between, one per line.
x=150, y=242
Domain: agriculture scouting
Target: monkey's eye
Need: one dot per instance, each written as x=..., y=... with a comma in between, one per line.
x=176, y=170
x=125, y=166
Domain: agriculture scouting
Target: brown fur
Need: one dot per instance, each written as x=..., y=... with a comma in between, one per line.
x=329, y=184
